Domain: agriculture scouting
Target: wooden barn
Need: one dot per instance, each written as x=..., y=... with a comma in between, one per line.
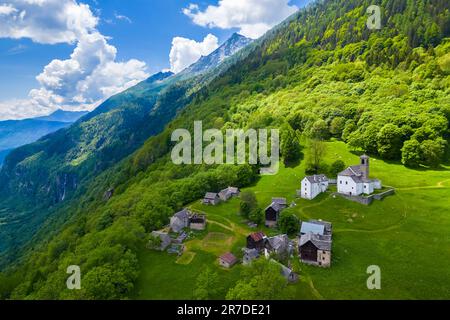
x=256, y=241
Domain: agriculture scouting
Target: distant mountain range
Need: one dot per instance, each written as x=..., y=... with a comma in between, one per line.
x=38, y=176
x=63, y=116
x=16, y=133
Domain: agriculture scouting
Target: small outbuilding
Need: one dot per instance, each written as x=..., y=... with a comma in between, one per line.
x=228, y=260
x=256, y=241
x=249, y=256
x=273, y=211
x=228, y=193
x=180, y=220
x=279, y=245
x=211, y=198
x=197, y=222
x=165, y=239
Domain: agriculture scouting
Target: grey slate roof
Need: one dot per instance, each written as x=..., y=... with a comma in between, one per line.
x=211, y=196
x=278, y=243
x=251, y=253
x=183, y=214
x=317, y=178
x=165, y=238
x=274, y=206
x=321, y=243
x=280, y=201
x=230, y=191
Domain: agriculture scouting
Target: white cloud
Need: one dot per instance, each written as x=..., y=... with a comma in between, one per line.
x=185, y=52
x=46, y=21
x=122, y=17
x=252, y=17
x=81, y=82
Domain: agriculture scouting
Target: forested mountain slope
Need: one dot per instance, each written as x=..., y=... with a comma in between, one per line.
x=16, y=133
x=39, y=177
x=321, y=73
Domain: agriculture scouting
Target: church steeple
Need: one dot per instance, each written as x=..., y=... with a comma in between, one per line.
x=365, y=166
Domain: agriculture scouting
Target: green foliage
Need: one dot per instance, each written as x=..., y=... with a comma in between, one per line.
x=289, y=223
x=390, y=141
x=320, y=130
x=337, y=167
x=317, y=151
x=207, y=285
x=337, y=126
x=290, y=145
x=262, y=280
x=154, y=242
x=249, y=203
x=256, y=216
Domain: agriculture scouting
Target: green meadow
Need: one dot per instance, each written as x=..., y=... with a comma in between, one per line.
x=407, y=235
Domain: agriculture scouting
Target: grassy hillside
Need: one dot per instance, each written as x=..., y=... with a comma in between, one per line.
x=385, y=93
x=401, y=234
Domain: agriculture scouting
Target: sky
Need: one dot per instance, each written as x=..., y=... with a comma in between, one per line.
x=74, y=54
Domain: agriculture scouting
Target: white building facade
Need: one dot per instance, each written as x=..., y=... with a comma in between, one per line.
x=312, y=186
x=354, y=181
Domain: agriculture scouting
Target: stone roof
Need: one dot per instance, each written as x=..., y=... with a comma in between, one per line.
x=211, y=196
x=317, y=178
x=321, y=243
x=251, y=253
x=285, y=271
x=257, y=236
x=183, y=214
x=275, y=206
x=280, y=201
x=228, y=258
x=278, y=242
x=230, y=191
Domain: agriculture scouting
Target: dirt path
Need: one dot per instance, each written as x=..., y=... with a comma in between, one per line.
x=317, y=204
x=229, y=228
x=439, y=185
x=314, y=291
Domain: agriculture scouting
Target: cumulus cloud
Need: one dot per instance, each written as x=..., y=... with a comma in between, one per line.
x=84, y=80
x=252, y=17
x=46, y=21
x=185, y=52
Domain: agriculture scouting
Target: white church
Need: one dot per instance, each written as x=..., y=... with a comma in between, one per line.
x=355, y=181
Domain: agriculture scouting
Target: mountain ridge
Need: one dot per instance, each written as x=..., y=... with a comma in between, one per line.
x=38, y=176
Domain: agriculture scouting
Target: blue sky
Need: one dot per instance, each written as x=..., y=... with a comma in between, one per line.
x=139, y=30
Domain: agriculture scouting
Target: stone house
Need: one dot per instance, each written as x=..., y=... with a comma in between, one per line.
x=180, y=220
x=211, y=199
x=227, y=260
x=315, y=243
x=228, y=193
x=249, y=256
